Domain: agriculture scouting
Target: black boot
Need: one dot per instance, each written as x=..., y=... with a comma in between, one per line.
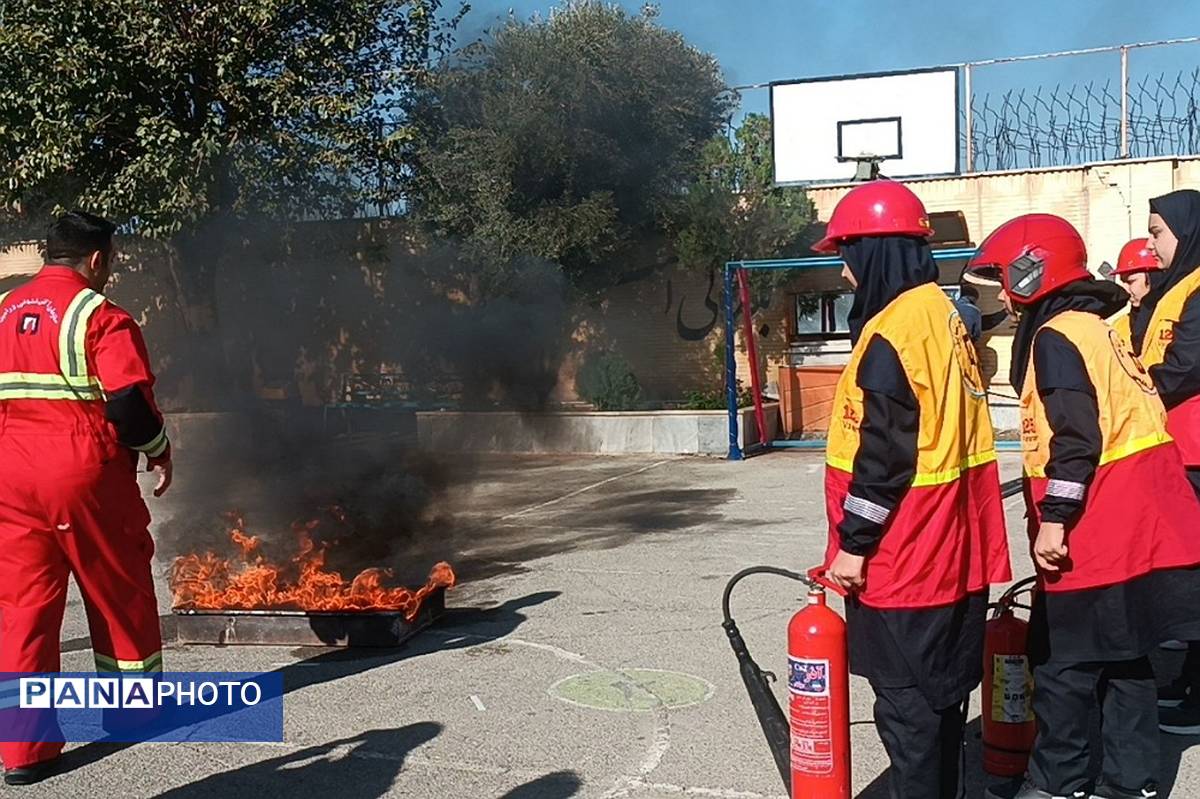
x=28, y=775
x=1104, y=791
x=1023, y=789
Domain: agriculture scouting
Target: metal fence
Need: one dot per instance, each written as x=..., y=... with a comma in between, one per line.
x=1110, y=117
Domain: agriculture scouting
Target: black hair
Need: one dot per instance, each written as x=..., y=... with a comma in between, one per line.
x=74, y=236
x=969, y=291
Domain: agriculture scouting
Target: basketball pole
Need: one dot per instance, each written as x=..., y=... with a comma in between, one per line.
x=731, y=398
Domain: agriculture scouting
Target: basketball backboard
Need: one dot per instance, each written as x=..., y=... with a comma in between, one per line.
x=822, y=126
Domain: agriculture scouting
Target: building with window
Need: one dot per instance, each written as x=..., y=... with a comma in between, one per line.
x=1108, y=202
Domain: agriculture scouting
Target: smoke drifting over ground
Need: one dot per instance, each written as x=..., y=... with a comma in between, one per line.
x=372, y=501
x=508, y=348
x=300, y=312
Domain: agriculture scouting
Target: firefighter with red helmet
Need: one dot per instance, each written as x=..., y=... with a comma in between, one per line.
x=1134, y=267
x=1112, y=518
x=1166, y=334
x=77, y=412
x=912, y=490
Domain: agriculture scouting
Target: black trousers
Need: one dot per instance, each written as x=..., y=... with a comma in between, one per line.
x=1191, y=664
x=1191, y=667
x=924, y=745
x=1064, y=695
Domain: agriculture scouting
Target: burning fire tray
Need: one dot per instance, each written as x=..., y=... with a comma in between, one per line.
x=367, y=628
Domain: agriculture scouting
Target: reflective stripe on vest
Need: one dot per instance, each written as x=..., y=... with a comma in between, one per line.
x=943, y=370
x=72, y=381
x=1132, y=417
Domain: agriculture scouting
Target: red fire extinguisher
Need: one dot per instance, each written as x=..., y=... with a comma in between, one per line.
x=819, y=709
x=1008, y=723
x=811, y=745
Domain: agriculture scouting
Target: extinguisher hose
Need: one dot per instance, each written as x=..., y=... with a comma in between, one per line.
x=1010, y=488
x=744, y=573
x=770, y=715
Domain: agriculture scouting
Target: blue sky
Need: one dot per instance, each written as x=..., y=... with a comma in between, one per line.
x=758, y=41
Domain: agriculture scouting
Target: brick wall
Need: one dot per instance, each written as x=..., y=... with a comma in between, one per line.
x=670, y=325
x=19, y=259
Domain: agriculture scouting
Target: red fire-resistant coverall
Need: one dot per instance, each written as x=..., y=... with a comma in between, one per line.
x=76, y=408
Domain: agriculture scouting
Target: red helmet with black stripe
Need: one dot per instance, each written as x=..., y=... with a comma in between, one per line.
x=1032, y=256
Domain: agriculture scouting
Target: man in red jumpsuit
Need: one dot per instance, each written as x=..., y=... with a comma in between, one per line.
x=76, y=413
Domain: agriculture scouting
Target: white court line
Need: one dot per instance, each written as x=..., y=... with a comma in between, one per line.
x=579, y=491
x=720, y=793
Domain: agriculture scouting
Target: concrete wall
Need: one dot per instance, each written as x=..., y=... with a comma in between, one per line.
x=623, y=433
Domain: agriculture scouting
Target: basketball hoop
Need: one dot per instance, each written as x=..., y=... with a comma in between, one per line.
x=867, y=167
x=820, y=127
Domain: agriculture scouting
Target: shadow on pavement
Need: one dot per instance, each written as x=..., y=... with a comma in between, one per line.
x=456, y=629
x=366, y=771
x=556, y=785
x=507, y=546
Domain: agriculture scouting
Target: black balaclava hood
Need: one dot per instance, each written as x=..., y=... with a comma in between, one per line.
x=1101, y=297
x=1180, y=210
x=885, y=267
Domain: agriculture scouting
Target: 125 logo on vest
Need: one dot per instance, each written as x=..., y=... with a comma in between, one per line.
x=1130, y=363
x=1029, y=435
x=967, y=357
x=29, y=325
x=850, y=418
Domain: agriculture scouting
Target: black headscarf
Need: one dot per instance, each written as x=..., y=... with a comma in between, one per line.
x=885, y=267
x=1101, y=297
x=1180, y=210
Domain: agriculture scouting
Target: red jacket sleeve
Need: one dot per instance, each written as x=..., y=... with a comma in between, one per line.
x=117, y=350
x=118, y=357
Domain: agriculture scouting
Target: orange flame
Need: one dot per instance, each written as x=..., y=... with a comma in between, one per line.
x=210, y=582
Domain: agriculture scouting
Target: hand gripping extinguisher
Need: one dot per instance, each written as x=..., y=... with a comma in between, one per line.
x=1008, y=723
x=811, y=745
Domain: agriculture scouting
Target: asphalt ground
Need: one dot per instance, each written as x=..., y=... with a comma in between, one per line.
x=581, y=655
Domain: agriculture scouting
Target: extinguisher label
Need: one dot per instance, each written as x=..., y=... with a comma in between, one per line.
x=811, y=716
x=1012, y=689
x=808, y=677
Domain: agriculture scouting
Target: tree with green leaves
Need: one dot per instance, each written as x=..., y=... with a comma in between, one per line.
x=563, y=139
x=178, y=117
x=733, y=211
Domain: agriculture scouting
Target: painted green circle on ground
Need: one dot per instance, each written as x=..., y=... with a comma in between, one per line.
x=632, y=690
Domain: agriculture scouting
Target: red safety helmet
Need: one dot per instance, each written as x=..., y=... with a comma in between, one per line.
x=878, y=208
x=1032, y=256
x=1135, y=257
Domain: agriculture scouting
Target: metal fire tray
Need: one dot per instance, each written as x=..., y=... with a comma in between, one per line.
x=369, y=628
